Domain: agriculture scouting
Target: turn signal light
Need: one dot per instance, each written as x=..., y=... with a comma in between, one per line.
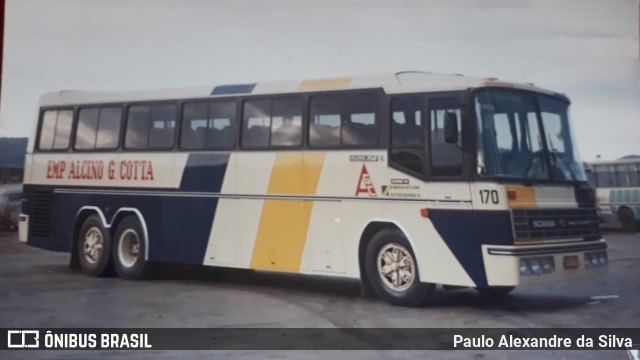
x=424, y=212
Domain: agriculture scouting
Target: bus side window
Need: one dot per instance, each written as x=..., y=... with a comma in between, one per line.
x=194, y=126
x=137, y=132
x=221, y=125
x=208, y=125
x=86, y=130
x=343, y=119
x=162, y=126
x=634, y=176
x=602, y=176
x=55, y=130
x=98, y=128
x=275, y=122
x=407, y=139
x=446, y=159
x=256, y=123
x=108, y=133
x=286, y=126
x=150, y=127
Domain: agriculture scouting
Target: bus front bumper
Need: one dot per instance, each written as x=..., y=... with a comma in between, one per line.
x=531, y=264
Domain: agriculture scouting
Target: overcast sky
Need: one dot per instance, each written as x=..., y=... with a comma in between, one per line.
x=587, y=49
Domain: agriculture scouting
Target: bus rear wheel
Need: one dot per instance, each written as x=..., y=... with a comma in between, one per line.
x=627, y=219
x=392, y=270
x=129, y=250
x=94, y=248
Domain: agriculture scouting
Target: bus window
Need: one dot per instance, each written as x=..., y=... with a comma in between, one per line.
x=137, y=133
x=194, y=126
x=86, y=131
x=286, y=128
x=221, y=126
x=634, y=176
x=257, y=122
x=446, y=159
x=407, y=143
x=109, y=128
x=602, y=176
x=613, y=177
x=272, y=123
x=98, y=128
x=208, y=125
x=341, y=119
x=162, y=126
x=624, y=178
x=150, y=127
x=555, y=135
x=55, y=131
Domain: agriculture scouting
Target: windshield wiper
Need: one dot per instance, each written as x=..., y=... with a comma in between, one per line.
x=537, y=164
x=554, y=155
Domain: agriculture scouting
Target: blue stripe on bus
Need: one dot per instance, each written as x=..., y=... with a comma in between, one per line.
x=204, y=172
x=465, y=232
x=233, y=89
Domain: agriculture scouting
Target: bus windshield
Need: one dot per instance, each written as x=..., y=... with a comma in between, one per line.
x=526, y=136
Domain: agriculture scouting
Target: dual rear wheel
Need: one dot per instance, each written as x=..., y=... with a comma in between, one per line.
x=101, y=255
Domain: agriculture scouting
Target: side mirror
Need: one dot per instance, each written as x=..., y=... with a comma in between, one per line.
x=451, y=127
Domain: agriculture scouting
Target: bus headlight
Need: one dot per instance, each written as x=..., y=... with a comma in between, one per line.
x=595, y=259
x=537, y=265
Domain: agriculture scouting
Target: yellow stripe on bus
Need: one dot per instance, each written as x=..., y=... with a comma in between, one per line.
x=525, y=197
x=282, y=232
x=335, y=83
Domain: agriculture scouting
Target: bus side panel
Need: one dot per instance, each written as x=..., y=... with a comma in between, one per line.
x=178, y=222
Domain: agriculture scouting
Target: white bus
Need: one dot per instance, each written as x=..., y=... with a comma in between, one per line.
x=617, y=184
x=403, y=180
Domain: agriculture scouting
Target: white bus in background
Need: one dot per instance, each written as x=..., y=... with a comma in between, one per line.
x=617, y=184
x=402, y=180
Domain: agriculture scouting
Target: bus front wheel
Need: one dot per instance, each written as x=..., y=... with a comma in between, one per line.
x=94, y=248
x=392, y=270
x=129, y=250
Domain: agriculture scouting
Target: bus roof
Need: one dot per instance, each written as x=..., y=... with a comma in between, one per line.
x=613, y=162
x=400, y=82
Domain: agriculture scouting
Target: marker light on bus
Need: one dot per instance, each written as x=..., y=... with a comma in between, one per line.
x=595, y=259
x=537, y=265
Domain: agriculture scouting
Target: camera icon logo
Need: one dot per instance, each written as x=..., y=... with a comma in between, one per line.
x=23, y=339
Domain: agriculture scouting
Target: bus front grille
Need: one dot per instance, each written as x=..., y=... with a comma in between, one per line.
x=550, y=224
x=40, y=220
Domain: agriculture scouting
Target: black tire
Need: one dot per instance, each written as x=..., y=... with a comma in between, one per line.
x=94, y=248
x=496, y=291
x=129, y=249
x=408, y=291
x=627, y=219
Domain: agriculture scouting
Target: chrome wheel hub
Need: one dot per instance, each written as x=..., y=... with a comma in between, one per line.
x=93, y=245
x=396, y=267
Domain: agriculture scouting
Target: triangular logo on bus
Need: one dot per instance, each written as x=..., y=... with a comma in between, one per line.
x=365, y=184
